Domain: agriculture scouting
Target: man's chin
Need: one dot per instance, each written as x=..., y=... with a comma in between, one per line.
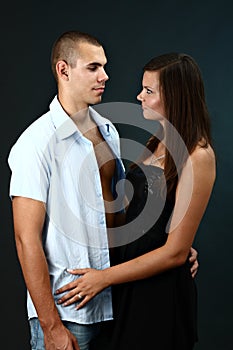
x=98, y=99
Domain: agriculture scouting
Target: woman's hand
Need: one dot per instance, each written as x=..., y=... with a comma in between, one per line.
x=84, y=288
x=193, y=260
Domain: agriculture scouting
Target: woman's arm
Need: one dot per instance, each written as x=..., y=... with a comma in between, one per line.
x=193, y=192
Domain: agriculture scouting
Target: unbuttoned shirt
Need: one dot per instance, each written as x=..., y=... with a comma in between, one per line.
x=54, y=163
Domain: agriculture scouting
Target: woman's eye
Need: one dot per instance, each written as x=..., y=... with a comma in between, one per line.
x=148, y=91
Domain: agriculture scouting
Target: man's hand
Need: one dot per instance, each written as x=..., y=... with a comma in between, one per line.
x=60, y=338
x=193, y=260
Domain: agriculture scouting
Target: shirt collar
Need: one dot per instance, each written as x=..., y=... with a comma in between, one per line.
x=66, y=127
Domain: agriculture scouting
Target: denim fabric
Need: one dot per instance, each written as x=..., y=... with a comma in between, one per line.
x=83, y=333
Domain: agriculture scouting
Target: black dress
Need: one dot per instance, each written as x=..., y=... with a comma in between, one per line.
x=158, y=312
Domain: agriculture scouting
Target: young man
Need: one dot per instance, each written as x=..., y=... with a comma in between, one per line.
x=64, y=167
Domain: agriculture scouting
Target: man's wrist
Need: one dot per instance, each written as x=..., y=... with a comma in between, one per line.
x=50, y=321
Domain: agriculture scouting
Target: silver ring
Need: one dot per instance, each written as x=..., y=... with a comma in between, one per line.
x=79, y=295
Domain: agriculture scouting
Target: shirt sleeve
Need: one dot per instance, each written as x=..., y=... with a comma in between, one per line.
x=30, y=171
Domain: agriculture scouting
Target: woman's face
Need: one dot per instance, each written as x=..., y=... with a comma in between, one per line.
x=150, y=96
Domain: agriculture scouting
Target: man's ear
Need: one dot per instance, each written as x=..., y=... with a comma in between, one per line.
x=62, y=70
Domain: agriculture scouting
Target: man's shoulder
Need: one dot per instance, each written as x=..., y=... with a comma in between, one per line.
x=37, y=133
x=40, y=127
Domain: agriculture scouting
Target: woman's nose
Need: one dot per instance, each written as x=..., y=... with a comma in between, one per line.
x=139, y=97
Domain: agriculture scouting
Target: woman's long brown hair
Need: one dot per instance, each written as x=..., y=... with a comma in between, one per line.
x=183, y=95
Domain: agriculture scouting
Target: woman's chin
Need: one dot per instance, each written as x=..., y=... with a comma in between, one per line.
x=152, y=115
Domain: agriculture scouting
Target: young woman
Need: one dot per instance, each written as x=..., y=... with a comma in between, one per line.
x=155, y=302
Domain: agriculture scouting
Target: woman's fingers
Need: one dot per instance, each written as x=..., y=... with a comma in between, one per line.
x=66, y=287
x=84, y=301
x=78, y=271
x=68, y=300
x=73, y=284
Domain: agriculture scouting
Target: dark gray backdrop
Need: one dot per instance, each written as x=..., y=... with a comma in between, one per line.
x=132, y=33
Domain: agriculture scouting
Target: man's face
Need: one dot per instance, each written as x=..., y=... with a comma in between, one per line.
x=87, y=79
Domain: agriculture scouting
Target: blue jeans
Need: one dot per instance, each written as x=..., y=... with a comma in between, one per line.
x=83, y=333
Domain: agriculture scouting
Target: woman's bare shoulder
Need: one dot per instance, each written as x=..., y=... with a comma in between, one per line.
x=203, y=161
x=202, y=153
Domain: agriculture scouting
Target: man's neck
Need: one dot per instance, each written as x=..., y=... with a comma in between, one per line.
x=78, y=112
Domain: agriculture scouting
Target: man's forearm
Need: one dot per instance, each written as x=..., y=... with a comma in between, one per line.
x=36, y=275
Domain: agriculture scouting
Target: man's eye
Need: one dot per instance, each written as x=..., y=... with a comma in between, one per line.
x=148, y=91
x=92, y=68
